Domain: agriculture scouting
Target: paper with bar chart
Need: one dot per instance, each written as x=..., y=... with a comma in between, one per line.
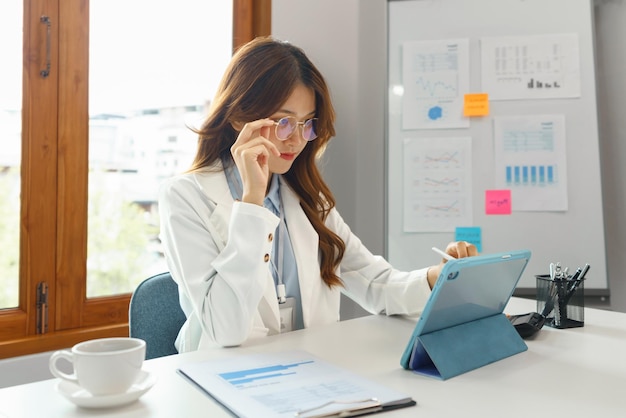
x=531, y=67
x=530, y=160
x=437, y=184
x=435, y=75
x=280, y=384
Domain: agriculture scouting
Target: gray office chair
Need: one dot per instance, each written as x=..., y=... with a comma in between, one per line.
x=155, y=315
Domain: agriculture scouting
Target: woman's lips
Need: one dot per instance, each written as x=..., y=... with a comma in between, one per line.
x=287, y=156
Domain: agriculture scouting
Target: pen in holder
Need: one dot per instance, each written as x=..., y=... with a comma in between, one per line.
x=561, y=300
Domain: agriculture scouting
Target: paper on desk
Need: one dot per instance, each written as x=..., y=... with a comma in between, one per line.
x=281, y=384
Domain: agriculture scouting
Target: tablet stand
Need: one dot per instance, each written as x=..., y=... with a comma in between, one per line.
x=452, y=351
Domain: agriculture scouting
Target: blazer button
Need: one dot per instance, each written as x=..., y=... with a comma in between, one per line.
x=266, y=258
x=270, y=237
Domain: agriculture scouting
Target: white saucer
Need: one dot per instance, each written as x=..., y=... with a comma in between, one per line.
x=81, y=397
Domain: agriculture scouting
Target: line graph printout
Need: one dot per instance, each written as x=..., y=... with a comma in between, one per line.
x=530, y=161
x=437, y=184
x=531, y=67
x=435, y=75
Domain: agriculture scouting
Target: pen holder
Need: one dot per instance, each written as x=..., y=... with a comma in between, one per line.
x=561, y=301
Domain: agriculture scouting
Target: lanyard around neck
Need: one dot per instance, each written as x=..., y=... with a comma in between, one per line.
x=281, y=232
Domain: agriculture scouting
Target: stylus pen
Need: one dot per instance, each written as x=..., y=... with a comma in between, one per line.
x=443, y=254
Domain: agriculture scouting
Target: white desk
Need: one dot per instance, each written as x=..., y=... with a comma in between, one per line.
x=578, y=372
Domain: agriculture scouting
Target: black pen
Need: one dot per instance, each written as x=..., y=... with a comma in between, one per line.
x=584, y=272
x=577, y=282
x=576, y=274
x=550, y=300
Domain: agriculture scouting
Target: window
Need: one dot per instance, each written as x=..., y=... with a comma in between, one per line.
x=89, y=146
x=146, y=87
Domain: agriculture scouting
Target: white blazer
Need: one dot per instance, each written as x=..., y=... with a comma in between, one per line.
x=217, y=251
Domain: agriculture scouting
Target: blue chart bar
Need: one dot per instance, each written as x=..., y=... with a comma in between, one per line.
x=530, y=175
x=550, y=175
x=246, y=376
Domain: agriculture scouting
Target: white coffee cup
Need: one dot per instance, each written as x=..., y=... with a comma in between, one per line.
x=105, y=366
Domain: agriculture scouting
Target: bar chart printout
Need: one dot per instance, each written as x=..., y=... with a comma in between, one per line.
x=282, y=384
x=530, y=161
x=531, y=67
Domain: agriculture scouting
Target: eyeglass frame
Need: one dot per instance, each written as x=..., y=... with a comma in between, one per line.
x=298, y=123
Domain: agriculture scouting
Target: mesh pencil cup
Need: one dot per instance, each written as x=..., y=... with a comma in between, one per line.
x=561, y=301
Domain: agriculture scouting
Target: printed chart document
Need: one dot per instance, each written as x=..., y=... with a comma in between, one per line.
x=436, y=78
x=531, y=67
x=530, y=161
x=290, y=384
x=437, y=184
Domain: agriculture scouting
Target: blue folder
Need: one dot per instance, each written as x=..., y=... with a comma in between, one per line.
x=463, y=326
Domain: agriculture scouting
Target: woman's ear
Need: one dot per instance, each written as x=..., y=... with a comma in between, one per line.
x=238, y=126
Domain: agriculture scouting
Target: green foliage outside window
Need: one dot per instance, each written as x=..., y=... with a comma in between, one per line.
x=9, y=237
x=121, y=245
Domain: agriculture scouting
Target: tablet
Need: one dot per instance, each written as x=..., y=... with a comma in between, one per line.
x=467, y=290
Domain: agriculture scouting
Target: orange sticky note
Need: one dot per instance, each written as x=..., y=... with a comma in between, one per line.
x=498, y=202
x=476, y=104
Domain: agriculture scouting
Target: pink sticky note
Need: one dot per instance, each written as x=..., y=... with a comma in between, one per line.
x=498, y=202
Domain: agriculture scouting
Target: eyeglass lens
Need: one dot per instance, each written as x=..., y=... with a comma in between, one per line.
x=285, y=127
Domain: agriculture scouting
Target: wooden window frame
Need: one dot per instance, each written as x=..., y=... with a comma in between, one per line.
x=251, y=18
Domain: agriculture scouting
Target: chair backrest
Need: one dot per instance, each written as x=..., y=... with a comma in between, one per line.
x=155, y=315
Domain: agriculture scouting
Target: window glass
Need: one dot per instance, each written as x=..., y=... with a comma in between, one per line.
x=10, y=154
x=154, y=66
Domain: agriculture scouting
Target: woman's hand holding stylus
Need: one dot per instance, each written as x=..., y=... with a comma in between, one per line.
x=458, y=249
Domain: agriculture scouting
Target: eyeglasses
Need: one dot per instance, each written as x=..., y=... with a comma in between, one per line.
x=285, y=127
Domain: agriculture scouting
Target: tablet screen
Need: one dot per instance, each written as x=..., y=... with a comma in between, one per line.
x=472, y=288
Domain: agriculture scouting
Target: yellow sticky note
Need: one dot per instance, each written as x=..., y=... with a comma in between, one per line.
x=476, y=104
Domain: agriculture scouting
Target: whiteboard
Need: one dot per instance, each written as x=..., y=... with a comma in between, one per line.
x=573, y=236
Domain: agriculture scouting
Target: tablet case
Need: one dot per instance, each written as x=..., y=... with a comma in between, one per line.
x=463, y=326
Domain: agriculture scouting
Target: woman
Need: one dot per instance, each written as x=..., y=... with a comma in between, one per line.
x=251, y=234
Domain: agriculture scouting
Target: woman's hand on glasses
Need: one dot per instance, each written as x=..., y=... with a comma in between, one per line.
x=251, y=152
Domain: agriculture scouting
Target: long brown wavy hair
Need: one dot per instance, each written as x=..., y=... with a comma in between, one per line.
x=259, y=79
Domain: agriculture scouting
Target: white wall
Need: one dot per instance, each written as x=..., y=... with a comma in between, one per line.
x=346, y=41
x=24, y=369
